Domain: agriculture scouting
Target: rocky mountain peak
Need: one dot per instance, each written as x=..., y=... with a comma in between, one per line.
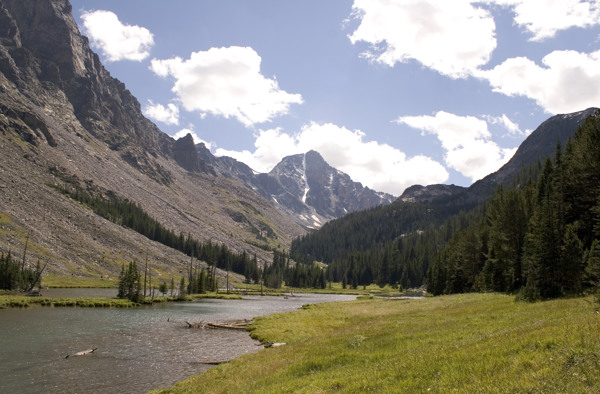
x=326, y=192
x=303, y=185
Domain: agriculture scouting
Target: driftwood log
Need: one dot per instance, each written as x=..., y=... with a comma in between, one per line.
x=231, y=325
x=83, y=353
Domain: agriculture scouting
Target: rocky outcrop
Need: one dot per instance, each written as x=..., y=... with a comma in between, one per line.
x=187, y=156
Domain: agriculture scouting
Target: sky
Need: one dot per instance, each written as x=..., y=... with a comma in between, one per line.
x=392, y=92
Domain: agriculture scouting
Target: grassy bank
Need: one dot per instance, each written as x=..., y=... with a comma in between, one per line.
x=463, y=343
x=17, y=301
x=12, y=301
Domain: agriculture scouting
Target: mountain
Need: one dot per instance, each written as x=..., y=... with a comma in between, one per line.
x=67, y=125
x=68, y=128
x=421, y=208
x=303, y=186
x=541, y=143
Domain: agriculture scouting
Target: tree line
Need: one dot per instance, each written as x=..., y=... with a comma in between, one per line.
x=15, y=275
x=537, y=236
x=129, y=214
x=540, y=239
x=369, y=229
x=282, y=270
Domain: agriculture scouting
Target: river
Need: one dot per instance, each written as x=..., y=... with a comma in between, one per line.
x=137, y=349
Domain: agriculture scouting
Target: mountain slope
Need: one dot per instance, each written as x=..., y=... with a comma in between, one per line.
x=303, y=186
x=541, y=143
x=65, y=120
x=420, y=207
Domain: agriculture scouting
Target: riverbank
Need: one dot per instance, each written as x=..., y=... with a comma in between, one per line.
x=22, y=301
x=461, y=343
x=138, y=349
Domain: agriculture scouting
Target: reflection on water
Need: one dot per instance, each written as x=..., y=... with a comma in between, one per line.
x=138, y=349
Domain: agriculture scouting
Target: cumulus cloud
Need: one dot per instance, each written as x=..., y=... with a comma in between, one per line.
x=466, y=140
x=114, y=39
x=226, y=82
x=451, y=37
x=378, y=166
x=158, y=112
x=568, y=80
x=457, y=38
x=556, y=15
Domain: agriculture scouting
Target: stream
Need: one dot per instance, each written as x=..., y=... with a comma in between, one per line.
x=137, y=349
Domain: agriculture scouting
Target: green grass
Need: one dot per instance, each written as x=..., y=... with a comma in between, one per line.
x=464, y=343
x=11, y=301
x=16, y=301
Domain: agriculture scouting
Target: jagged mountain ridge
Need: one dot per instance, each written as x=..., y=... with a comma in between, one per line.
x=64, y=119
x=304, y=186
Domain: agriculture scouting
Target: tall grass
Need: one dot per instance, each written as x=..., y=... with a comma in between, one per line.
x=464, y=343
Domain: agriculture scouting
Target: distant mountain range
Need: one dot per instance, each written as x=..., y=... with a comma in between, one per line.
x=65, y=122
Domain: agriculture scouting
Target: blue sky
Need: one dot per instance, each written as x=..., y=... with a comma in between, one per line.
x=392, y=92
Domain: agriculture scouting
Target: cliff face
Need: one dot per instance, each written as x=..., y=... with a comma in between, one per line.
x=43, y=49
x=65, y=121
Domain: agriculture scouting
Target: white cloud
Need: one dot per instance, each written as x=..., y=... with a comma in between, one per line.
x=167, y=115
x=115, y=40
x=457, y=38
x=544, y=18
x=378, y=166
x=451, y=37
x=466, y=140
x=226, y=82
x=567, y=82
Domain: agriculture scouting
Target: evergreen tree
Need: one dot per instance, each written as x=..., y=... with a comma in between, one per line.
x=130, y=283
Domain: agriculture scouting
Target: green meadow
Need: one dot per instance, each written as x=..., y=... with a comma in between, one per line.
x=469, y=343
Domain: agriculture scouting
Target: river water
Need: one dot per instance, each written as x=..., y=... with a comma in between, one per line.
x=137, y=349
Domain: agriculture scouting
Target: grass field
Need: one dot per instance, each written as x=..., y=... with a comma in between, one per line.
x=475, y=343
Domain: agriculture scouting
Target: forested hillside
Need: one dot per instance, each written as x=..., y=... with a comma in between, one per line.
x=541, y=238
x=537, y=234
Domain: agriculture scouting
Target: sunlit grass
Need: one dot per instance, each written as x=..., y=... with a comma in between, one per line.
x=463, y=343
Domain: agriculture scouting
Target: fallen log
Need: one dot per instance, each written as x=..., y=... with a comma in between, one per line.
x=227, y=326
x=231, y=325
x=83, y=353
